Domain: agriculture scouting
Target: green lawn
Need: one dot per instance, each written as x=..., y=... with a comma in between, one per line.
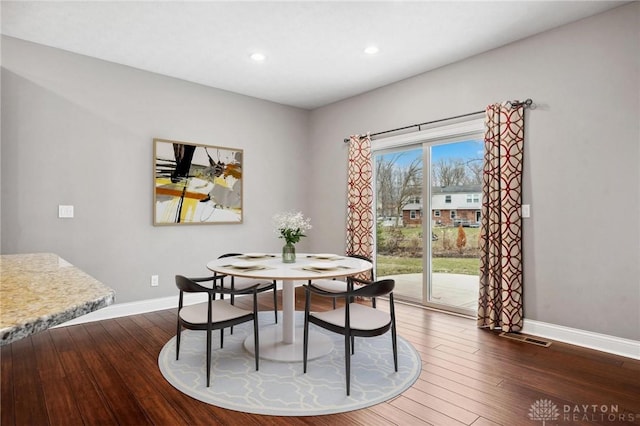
x=391, y=265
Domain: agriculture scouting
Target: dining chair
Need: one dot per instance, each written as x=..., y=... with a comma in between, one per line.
x=340, y=286
x=213, y=314
x=241, y=283
x=353, y=319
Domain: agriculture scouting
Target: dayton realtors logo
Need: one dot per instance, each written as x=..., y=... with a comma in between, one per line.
x=545, y=410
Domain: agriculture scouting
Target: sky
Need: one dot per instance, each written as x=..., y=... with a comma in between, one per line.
x=458, y=150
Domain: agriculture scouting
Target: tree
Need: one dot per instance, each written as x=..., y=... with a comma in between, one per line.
x=462, y=239
x=397, y=185
x=448, y=172
x=456, y=171
x=384, y=185
x=474, y=171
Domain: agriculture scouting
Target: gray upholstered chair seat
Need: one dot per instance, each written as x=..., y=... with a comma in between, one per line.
x=241, y=283
x=361, y=317
x=339, y=286
x=220, y=311
x=333, y=286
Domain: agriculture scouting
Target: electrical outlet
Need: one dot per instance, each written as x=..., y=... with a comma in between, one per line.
x=526, y=210
x=65, y=211
x=154, y=281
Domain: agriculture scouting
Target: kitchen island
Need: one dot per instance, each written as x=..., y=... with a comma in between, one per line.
x=41, y=290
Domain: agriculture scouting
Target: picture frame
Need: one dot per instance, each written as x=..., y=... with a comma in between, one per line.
x=196, y=184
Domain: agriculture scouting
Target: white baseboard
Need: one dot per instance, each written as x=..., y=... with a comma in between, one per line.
x=588, y=339
x=143, y=306
x=601, y=342
x=134, y=308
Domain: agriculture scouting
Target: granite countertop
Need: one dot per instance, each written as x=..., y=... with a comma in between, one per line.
x=40, y=290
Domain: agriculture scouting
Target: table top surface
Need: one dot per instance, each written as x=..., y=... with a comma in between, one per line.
x=40, y=290
x=307, y=266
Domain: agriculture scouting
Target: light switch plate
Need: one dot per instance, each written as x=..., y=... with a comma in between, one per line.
x=526, y=210
x=65, y=211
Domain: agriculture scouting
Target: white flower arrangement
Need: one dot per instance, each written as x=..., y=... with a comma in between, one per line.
x=291, y=226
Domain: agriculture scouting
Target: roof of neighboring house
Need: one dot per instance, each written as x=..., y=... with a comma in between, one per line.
x=456, y=189
x=453, y=189
x=412, y=206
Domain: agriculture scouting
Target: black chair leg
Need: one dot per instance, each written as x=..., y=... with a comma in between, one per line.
x=394, y=339
x=178, y=333
x=256, y=342
x=233, y=302
x=275, y=303
x=347, y=362
x=208, y=357
x=394, y=343
x=305, y=342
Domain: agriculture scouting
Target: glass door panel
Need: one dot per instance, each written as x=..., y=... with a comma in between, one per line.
x=399, y=229
x=430, y=189
x=455, y=204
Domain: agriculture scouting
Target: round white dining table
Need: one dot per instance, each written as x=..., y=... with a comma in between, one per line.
x=285, y=342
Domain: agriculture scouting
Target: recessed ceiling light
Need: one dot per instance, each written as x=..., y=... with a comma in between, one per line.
x=371, y=50
x=258, y=57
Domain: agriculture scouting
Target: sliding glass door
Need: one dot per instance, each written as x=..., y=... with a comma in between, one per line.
x=455, y=206
x=428, y=207
x=399, y=224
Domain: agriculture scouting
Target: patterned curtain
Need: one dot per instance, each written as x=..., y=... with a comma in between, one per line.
x=360, y=197
x=500, y=300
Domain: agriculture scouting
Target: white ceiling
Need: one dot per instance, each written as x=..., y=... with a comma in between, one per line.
x=314, y=49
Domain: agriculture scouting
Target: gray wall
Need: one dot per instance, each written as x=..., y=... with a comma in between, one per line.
x=79, y=131
x=581, y=176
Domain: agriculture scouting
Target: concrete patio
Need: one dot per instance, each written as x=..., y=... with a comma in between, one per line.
x=448, y=289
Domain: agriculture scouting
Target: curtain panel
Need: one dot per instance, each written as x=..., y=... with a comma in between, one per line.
x=500, y=302
x=360, y=197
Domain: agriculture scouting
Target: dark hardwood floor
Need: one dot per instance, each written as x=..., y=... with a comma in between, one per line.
x=106, y=373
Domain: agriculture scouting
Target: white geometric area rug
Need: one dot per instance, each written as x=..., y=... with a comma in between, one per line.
x=280, y=388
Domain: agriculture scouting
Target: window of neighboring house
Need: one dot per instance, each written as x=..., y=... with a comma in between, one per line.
x=452, y=214
x=414, y=200
x=414, y=214
x=476, y=198
x=469, y=198
x=436, y=213
x=447, y=198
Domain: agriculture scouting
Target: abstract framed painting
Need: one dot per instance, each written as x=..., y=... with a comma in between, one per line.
x=196, y=183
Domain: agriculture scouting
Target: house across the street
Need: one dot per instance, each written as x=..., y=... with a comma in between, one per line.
x=450, y=206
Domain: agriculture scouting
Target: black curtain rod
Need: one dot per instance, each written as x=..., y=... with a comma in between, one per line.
x=526, y=103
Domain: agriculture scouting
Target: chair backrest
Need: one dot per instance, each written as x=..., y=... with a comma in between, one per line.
x=189, y=286
x=361, y=257
x=368, y=259
x=229, y=255
x=376, y=289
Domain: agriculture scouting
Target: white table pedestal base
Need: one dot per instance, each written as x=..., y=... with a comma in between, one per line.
x=273, y=348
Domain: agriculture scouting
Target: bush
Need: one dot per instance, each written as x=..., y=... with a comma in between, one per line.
x=408, y=242
x=393, y=241
x=462, y=239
